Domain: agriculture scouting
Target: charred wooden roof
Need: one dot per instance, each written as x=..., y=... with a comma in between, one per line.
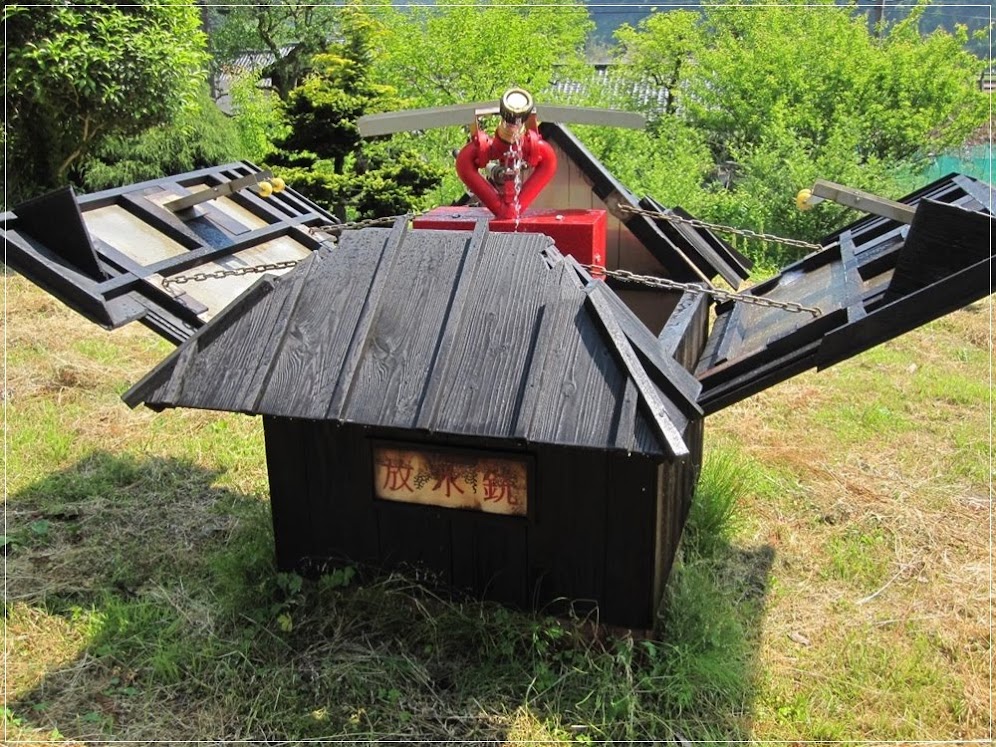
x=484, y=334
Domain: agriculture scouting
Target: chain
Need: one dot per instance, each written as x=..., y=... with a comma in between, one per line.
x=357, y=224
x=696, y=223
x=721, y=295
x=624, y=275
x=198, y=277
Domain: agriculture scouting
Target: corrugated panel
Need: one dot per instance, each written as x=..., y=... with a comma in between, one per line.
x=490, y=335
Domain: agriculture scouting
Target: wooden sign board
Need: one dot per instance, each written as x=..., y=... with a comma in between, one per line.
x=483, y=482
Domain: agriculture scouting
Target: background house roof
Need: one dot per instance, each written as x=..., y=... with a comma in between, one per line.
x=468, y=333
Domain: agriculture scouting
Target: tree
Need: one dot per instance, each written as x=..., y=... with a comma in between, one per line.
x=291, y=32
x=661, y=49
x=200, y=136
x=82, y=73
x=474, y=51
x=783, y=95
x=438, y=55
x=323, y=153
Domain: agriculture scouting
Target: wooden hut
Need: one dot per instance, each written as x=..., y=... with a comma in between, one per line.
x=468, y=403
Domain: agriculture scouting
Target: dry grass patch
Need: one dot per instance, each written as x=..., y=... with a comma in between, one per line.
x=879, y=618
x=840, y=593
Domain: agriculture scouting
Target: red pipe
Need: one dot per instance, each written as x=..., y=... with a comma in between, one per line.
x=543, y=159
x=481, y=150
x=466, y=168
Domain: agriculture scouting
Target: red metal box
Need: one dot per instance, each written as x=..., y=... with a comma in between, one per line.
x=580, y=233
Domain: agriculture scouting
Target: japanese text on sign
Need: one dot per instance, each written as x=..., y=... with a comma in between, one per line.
x=482, y=483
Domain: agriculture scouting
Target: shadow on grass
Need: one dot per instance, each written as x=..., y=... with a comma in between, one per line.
x=143, y=604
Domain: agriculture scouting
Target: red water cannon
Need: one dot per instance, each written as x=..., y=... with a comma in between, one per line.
x=516, y=146
x=518, y=163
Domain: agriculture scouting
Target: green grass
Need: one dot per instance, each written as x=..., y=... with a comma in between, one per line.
x=831, y=583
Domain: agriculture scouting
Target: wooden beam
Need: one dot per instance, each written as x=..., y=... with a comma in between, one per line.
x=869, y=203
x=211, y=193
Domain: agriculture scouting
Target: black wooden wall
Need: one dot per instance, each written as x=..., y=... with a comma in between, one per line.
x=601, y=529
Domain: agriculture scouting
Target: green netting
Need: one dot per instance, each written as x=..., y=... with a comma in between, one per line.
x=975, y=161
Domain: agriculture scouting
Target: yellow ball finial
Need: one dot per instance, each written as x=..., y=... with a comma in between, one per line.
x=802, y=199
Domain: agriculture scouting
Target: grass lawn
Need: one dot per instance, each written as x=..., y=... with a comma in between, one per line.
x=833, y=585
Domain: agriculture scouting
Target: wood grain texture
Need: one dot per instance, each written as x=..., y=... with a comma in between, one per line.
x=319, y=330
x=574, y=383
x=629, y=541
x=650, y=394
x=391, y=378
x=494, y=346
x=438, y=381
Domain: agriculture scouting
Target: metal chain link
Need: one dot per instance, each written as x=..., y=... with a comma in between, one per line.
x=722, y=295
x=624, y=275
x=696, y=223
x=366, y=223
x=219, y=274
x=252, y=269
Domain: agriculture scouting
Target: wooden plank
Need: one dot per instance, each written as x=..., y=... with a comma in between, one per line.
x=763, y=375
x=567, y=531
x=773, y=349
x=695, y=251
x=943, y=239
x=671, y=438
x=908, y=312
x=678, y=384
x=416, y=539
x=687, y=322
x=443, y=355
x=666, y=521
x=865, y=201
x=367, y=349
x=490, y=557
x=626, y=421
x=739, y=263
x=336, y=461
x=148, y=388
x=352, y=524
x=401, y=336
x=227, y=370
x=630, y=512
x=54, y=221
x=496, y=340
x=199, y=258
x=574, y=383
x=219, y=190
x=321, y=327
x=288, y=492
x=852, y=290
x=162, y=220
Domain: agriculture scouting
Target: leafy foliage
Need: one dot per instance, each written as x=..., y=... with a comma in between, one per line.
x=784, y=95
x=323, y=155
x=201, y=136
x=291, y=32
x=82, y=73
x=468, y=52
x=259, y=117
